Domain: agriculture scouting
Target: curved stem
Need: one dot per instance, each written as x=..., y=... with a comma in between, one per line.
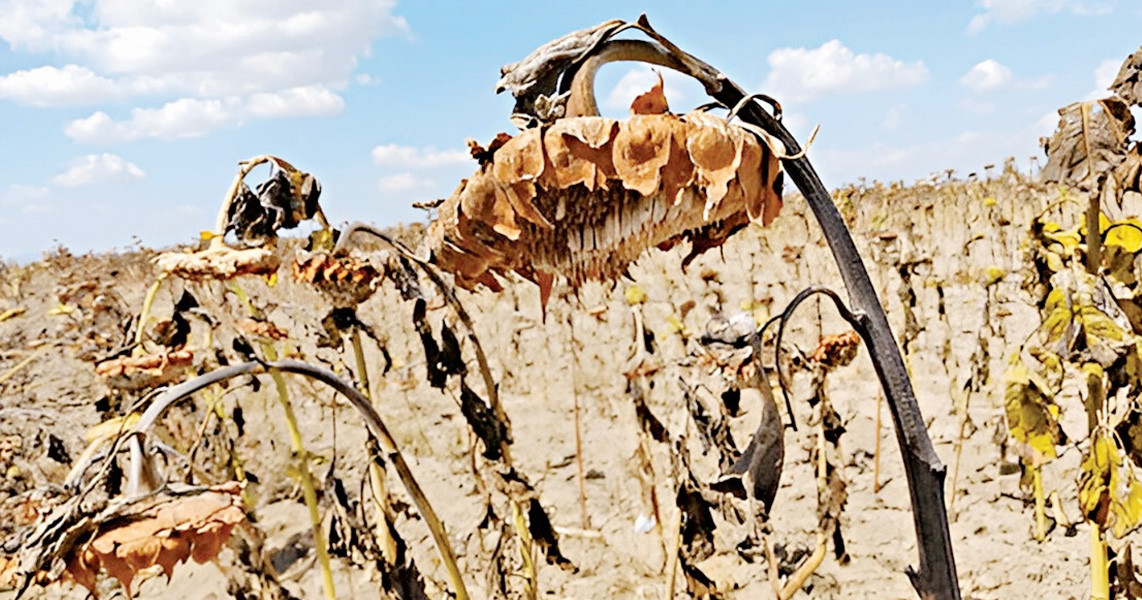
x=372, y=420
x=783, y=319
x=936, y=577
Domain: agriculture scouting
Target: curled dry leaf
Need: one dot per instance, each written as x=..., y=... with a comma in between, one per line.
x=1090, y=141
x=836, y=350
x=195, y=525
x=149, y=370
x=283, y=201
x=1128, y=84
x=347, y=280
x=219, y=263
x=585, y=196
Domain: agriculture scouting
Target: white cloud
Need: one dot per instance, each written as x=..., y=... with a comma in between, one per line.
x=98, y=168
x=409, y=157
x=801, y=74
x=193, y=117
x=986, y=76
x=404, y=182
x=27, y=199
x=1007, y=12
x=310, y=101
x=639, y=80
x=272, y=59
x=52, y=86
x=184, y=118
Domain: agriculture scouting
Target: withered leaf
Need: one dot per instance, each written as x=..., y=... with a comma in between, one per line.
x=543, y=533
x=764, y=457
x=484, y=423
x=698, y=584
x=1128, y=84
x=436, y=375
x=646, y=419
x=1103, y=126
x=713, y=428
x=697, y=523
x=282, y=201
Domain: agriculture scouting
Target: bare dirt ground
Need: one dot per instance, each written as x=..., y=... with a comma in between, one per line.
x=931, y=250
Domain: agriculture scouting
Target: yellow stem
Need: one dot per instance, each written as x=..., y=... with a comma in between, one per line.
x=148, y=302
x=672, y=568
x=1040, y=505
x=1099, y=567
x=585, y=520
x=527, y=546
x=376, y=472
x=798, y=578
x=876, y=449
x=959, y=450
x=362, y=366
x=302, y=456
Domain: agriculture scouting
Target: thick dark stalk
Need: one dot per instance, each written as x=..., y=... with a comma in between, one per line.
x=936, y=577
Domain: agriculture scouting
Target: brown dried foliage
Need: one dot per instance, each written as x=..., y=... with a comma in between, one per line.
x=136, y=372
x=585, y=196
x=836, y=350
x=1089, y=142
x=219, y=263
x=164, y=534
x=347, y=280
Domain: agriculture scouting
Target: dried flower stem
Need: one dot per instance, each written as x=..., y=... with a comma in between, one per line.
x=148, y=303
x=373, y=423
x=380, y=492
x=308, y=491
x=449, y=294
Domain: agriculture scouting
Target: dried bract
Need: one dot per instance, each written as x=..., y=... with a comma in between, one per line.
x=195, y=525
x=219, y=263
x=347, y=280
x=585, y=196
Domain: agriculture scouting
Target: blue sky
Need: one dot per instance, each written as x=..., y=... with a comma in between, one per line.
x=126, y=118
